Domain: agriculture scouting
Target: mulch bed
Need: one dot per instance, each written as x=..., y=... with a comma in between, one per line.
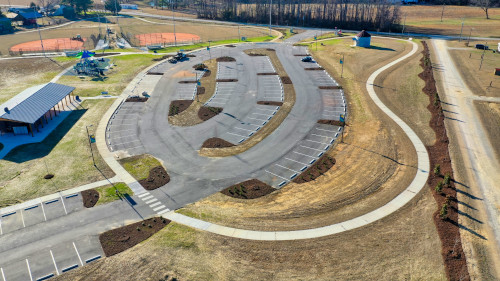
x=216, y=143
x=267, y=73
x=225, y=59
x=136, y=99
x=314, y=68
x=321, y=166
x=90, y=198
x=105, y=55
x=330, y=87
x=200, y=66
x=187, y=82
x=157, y=177
x=161, y=58
x=448, y=228
x=207, y=73
x=286, y=80
x=207, y=112
x=331, y=122
x=120, y=239
x=178, y=106
x=249, y=189
x=272, y=50
x=230, y=46
x=277, y=103
x=190, y=56
x=301, y=55
x=226, y=80
x=154, y=73
x=200, y=91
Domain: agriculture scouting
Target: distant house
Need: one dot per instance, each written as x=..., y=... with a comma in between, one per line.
x=18, y=10
x=362, y=39
x=5, y=25
x=28, y=18
x=60, y=10
x=129, y=6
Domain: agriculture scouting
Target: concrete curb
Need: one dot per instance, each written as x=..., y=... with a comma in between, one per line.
x=399, y=201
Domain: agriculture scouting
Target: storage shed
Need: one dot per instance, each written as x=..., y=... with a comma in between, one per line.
x=362, y=39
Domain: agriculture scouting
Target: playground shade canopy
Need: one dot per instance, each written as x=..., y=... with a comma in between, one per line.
x=32, y=103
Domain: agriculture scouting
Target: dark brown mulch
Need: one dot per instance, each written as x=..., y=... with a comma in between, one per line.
x=286, y=80
x=105, y=55
x=178, y=106
x=448, y=228
x=267, y=73
x=120, y=239
x=272, y=50
x=200, y=66
x=277, y=103
x=230, y=46
x=249, y=189
x=154, y=73
x=314, y=68
x=321, y=166
x=226, y=80
x=200, y=91
x=190, y=56
x=216, y=143
x=301, y=55
x=207, y=112
x=161, y=58
x=157, y=177
x=331, y=122
x=207, y=73
x=48, y=176
x=90, y=198
x=187, y=82
x=225, y=59
x=136, y=99
x=330, y=87
x=256, y=55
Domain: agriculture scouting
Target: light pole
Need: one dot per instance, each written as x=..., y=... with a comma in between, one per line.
x=173, y=19
x=270, y=5
x=90, y=143
x=461, y=29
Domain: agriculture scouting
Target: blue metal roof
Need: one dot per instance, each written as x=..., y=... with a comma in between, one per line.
x=33, y=103
x=30, y=15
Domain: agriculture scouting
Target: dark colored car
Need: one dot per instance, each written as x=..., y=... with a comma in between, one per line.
x=482, y=47
x=307, y=59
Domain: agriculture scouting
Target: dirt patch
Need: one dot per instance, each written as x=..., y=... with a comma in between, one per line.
x=277, y=103
x=200, y=90
x=154, y=73
x=249, y=189
x=447, y=224
x=331, y=122
x=207, y=73
x=330, y=87
x=120, y=239
x=321, y=166
x=216, y=143
x=286, y=80
x=90, y=198
x=187, y=82
x=256, y=54
x=225, y=59
x=226, y=80
x=268, y=73
x=136, y=99
x=314, y=68
x=178, y=106
x=207, y=112
x=157, y=177
x=183, y=73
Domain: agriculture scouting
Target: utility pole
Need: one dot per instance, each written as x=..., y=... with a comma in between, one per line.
x=404, y=25
x=442, y=13
x=482, y=56
x=41, y=41
x=461, y=29
x=468, y=40
x=239, y=37
x=342, y=63
x=173, y=19
x=90, y=144
x=316, y=38
x=270, y=5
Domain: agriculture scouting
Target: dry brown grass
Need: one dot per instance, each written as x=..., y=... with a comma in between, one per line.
x=189, y=117
x=469, y=60
x=289, y=101
x=489, y=113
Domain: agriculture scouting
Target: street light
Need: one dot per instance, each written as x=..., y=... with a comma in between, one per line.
x=91, y=140
x=270, y=5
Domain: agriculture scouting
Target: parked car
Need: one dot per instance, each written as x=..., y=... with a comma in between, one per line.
x=482, y=47
x=307, y=59
x=172, y=60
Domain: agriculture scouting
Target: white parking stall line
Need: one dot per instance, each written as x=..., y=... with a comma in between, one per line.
x=43, y=211
x=316, y=142
x=267, y=115
x=311, y=148
x=286, y=168
x=147, y=197
x=257, y=119
x=296, y=161
x=151, y=201
x=121, y=143
x=236, y=135
x=22, y=217
x=324, y=130
x=155, y=204
x=109, y=130
x=310, y=156
x=248, y=130
x=54, y=261
x=64, y=205
x=78, y=254
x=276, y=175
x=320, y=136
x=113, y=137
x=3, y=274
x=143, y=194
x=159, y=208
x=265, y=109
x=29, y=269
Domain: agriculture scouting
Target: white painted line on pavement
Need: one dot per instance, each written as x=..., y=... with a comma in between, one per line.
x=155, y=204
x=310, y=156
x=316, y=142
x=3, y=275
x=29, y=269
x=311, y=148
x=43, y=211
x=236, y=135
x=54, y=261
x=143, y=194
x=22, y=217
x=163, y=211
x=64, y=205
x=151, y=201
x=320, y=136
x=287, y=168
x=147, y=197
x=78, y=254
x=159, y=208
x=296, y=161
x=276, y=175
x=244, y=129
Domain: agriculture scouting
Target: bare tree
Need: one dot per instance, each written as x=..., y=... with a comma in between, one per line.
x=48, y=4
x=485, y=5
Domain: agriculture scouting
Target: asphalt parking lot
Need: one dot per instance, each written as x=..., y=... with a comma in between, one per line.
x=185, y=91
x=223, y=92
x=227, y=70
x=53, y=260
x=122, y=130
x=269, y=88
x=39, y=213
x=263, y=64
x=333, y=104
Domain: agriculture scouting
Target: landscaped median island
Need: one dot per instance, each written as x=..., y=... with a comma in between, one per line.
x=249, y=189
x=147, y=170
x=105, y=194
x=285, y=108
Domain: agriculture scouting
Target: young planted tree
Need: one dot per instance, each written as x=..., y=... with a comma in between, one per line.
x=437, y=170
x=112, y=6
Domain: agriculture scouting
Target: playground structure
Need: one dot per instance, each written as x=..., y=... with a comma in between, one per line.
x=88, y=65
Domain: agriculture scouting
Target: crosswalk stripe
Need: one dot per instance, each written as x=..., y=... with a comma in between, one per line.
x=151, y=201
x=159, y=208
x=155, y=204
x=143, y=194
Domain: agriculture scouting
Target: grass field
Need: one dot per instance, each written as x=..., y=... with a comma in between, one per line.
x=108, y=193
x=469, y=60
x=140, y=165
x=24, y=167
x=427, y=19
x=489, y=113
x=125, y=68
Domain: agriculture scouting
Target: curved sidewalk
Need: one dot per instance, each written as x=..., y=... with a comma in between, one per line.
x=399, y=201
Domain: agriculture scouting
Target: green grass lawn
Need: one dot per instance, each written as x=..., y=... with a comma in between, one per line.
x=140, y=165
x=108, y=193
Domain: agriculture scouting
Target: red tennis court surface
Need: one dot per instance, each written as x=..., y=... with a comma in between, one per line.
x=159, y=38
x=49, y=45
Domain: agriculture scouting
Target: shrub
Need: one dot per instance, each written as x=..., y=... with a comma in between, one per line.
x=443, y=214
x=437, y=170
x=138, y=229
x=447, y=179
x=439, y=187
